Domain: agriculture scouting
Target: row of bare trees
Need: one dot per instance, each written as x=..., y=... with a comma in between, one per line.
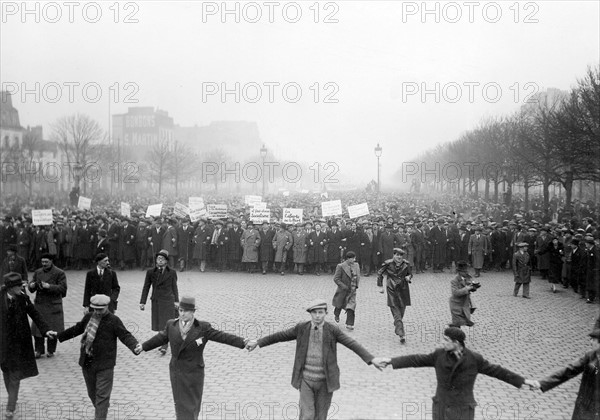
x=553, y=139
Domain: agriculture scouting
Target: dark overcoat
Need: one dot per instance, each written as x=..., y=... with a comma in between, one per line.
x=104, y=349
x=454, y=399
x=202, y=238
x=128, y=235
x=186, y=367
x=317, y=247
x=587, y=404
x=164, y=295
x=266, y=245
x=107, y=285
x=521, y=267
x=48, y=302
x=16, y=347
x=334, y=242
x=184, y=242
x=347, y=279
x=331, y=336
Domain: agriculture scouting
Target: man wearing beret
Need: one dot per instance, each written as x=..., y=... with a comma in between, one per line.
x=50, y=287
x=100, y=330
x=316, y=373
x=188, y=338
x=17, y=359
x=399, y=274
x=101, y=280
x=456, y=368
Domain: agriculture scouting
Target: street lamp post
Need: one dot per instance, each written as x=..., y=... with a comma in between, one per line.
x=378, y=151
x=263, y=155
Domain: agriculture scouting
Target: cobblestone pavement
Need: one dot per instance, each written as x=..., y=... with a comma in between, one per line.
x=532, y=337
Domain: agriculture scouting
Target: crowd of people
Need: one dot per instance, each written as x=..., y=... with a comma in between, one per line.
x=403, y=236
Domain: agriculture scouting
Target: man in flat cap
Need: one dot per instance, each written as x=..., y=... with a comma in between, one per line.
x=188, y=338
x=49, y=284
x=100, y=330
x=521, y=269
x=17, y=359
x=316, y=373
x=456, y=368
x=399, y=274
x=578, y=267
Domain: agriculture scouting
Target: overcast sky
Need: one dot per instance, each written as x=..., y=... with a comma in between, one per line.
x=367, y=57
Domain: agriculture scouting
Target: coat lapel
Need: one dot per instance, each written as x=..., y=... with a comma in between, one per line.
x=193, y=334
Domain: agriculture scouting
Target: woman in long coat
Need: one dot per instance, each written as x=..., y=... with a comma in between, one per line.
x=165, y=295
x=250, y=242
x=587, y=404
x=460, y=300
x=347, y=279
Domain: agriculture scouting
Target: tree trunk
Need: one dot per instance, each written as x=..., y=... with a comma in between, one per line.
x=568, y=184
x=496, y=187
x=526, y=188
x=546, y=192
x=487, y=190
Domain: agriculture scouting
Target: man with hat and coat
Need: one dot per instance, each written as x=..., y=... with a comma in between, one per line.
x=165, y=295
x=100, y=330
x=347, y=278
x=592, y=279
x=49, y=284
x=399, y=274
x=456, y=368
x=521, y=269
x=461, y=287
x=478, y=249
x=17, y=359
x=316, y=373
x=101, y=280
x=188, y=338
x=14, y=263
x=266, y=246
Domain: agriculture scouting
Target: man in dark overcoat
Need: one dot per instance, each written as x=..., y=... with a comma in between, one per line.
x=347, y=279
x=185, y=236
x=334, y=246
x=14, y=263
x=49, y=283
x=17, y=359
x=399, y=274
x=201, y=239
x=438, y=240
x=188, y=338
x=234, y=247
x=101, y=280
x=317, y=242
x=128, y=234
x=592, y=272
x=98, y=351
x=165, y=295
x=266, y=246
x=456, y=368
x=521, y=269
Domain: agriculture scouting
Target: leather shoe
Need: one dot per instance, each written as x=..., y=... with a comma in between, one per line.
x=526, y=297
x=37, y=354
x=350, y=327
x=402, y=340
x=49, y=355
x=162, y=351
x=337, y=319
x=589, y=301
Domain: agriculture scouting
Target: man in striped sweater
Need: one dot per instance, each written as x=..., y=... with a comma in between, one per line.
x=316, y=373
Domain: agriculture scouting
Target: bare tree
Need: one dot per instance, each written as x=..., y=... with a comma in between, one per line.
x=181, y=166
x=159, y=160
x=77, y=135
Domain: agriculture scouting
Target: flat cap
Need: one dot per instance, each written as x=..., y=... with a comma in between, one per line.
x=316, y=304
x=99, y=301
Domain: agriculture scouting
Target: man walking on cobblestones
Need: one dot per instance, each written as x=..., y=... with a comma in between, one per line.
x=399, y=275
